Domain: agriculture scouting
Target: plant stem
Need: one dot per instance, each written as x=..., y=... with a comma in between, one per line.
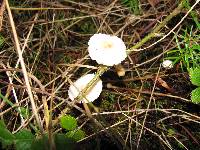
x=158, y=28
x=18, y=49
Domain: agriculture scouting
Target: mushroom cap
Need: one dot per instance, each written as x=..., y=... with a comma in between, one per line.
x=80, y=84
x=107, y=49
x=167, y=64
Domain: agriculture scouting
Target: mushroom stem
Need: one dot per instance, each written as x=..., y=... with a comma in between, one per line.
x=120, y=70
x=87, y=110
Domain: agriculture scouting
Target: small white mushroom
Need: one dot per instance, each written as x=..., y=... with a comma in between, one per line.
x=80, y=84
x=106, y=49
x=167, y=64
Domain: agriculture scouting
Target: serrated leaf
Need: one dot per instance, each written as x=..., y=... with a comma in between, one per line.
x=76, y=135
x=68, y=122
x=62, y=142
x=24, y=140
x=195, y=95
x=6, y=137
x=195, y=76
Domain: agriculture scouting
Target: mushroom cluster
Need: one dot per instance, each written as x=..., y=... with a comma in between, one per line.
x=106, y=50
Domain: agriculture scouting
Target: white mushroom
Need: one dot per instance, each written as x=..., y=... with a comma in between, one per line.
x=167, y=64
x=107, y=49
x=80, y=84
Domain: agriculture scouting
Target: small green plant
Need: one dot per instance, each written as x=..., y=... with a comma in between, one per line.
x=26, y=140
x=195, y=79
x=69, y=123
x=21, y=140
x=133, y=5
x=188, y=50
x=193, y=14
x=87, y=27
x=188, y=56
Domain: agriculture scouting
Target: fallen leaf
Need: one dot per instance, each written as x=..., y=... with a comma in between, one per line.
x=165, y=85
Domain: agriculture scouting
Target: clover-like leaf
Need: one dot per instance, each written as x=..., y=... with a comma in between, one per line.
x=76, y=135
x=195, y=76
x=195, y=96
x=68, y=122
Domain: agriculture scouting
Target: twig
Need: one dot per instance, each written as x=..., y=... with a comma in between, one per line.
x=38, y=8
x=14, y=93
x=143, y=124
x=2, y=8
x=157, y=29
x=151, y=131
x=18, y=49
x=162, y=24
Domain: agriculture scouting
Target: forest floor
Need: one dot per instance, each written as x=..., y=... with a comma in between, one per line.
x=150, y=107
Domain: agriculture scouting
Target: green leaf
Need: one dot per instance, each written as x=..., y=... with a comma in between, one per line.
x=25, y=112
x=6, y=137
x=76, y=135
x=24, y=140
x=40, y=143
x=195, y=96
x=62, y=142
x=24, y=135
x=68, y=122
x=197, y=47
x=134, y=5
x=195, y=76
x=2, y=124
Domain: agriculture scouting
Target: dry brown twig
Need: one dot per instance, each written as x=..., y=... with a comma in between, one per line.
x=18, y=49
x=2, y=8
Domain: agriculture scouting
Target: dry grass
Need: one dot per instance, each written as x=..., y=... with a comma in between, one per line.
x=49, y=50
